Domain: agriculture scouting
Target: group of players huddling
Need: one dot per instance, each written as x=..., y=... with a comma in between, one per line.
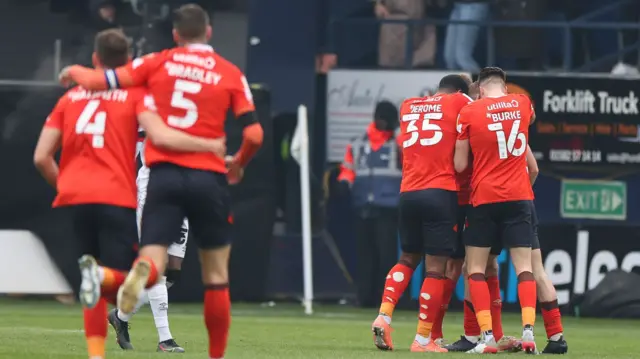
x=466, y=192
x=180, y=98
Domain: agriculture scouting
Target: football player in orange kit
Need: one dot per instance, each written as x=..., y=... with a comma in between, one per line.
x=95, y=181
x=495, y=130
x=428, y=204
x=194, y=87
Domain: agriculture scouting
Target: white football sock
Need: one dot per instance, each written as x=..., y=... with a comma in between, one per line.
x=144, y=299
x=422, y=340
x=159, y=302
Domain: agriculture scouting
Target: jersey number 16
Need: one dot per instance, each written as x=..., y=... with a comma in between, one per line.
x=412, y=129
x=506, y=146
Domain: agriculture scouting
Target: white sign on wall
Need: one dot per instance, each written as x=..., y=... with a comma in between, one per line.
x=352, y=96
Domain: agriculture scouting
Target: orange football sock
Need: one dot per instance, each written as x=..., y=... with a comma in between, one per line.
x=481, y=300
x=552, y=318
x=217, y=318
x=112, y=279
x=430, y=302
x=527, y=296
x=95, y=329
x=471, y=327
x=496, y=306
x=436, y=331
x=396, y=283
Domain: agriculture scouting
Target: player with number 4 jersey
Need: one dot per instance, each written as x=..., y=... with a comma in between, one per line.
x=194, y=88
x=427, y=208
x=495, y=130
x=95, y=181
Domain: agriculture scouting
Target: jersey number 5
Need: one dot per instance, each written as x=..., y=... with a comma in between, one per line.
x=95, y=128
x=506, y=146
x=178, y=101
x=426, y=126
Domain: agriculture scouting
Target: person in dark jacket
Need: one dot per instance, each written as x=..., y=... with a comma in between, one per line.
x=372, y=170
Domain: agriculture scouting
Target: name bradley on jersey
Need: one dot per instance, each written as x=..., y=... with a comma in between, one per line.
x=192, y=73
x=584, y=101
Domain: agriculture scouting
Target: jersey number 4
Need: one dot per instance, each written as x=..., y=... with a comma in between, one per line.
x=413, y=129
x=506, y=146
x=92, y=122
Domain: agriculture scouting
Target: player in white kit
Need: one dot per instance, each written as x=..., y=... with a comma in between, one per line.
x=157, y=296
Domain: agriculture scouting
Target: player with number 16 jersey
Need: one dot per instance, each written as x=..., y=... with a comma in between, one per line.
x=498, y=132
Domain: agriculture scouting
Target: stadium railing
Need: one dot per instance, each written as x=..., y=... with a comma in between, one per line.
x=584, y=22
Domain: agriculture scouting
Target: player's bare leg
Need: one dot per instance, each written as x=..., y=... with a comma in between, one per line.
x=452, y=274
x=217, y=305
x=476, y=263
x=548, y=299
x=157, y=298
x=431, y=295
x=521, y=257
x=144, y=274
x=396, y=283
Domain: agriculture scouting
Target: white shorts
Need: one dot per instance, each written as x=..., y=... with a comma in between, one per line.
x=177, y=248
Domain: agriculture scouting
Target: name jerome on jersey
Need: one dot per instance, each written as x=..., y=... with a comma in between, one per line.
x=584, y=101
x=425, y=108
x=177, y=68
x=109, y=95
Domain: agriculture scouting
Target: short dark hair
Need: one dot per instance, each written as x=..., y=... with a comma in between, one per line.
x=190, y=21
x=454, y=83
x=112, y=47
x=492, y=73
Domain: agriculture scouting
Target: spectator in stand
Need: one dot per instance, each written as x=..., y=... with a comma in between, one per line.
x=393, y=37
x=520, y=48
x=103, y=13
x=460, y=40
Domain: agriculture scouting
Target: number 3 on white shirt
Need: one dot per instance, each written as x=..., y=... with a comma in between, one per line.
x=180, y=102
x=506, y=146
x=412, y=118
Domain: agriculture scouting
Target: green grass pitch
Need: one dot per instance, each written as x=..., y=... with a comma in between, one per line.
x=41, y=330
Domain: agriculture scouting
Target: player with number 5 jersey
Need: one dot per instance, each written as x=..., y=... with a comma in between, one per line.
x=194, y=88
x=95, y=181
x=495, y=129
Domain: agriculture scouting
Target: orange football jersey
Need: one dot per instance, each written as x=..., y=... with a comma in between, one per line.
x=193, y=88
x=428, y=138
x=498, y=131
x=99, y=135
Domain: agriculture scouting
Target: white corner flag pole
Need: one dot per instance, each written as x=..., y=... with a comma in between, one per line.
x=302, y=137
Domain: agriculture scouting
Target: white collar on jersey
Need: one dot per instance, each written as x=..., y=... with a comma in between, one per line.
x=200, y=47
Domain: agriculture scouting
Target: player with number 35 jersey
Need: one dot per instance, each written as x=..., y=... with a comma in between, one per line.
x=427, y=208
x=194, y=88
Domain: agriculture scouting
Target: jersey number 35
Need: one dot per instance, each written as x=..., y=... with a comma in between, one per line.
x=426, y=125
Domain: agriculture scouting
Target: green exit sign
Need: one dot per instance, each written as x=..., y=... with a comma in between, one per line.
x=594, y=199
